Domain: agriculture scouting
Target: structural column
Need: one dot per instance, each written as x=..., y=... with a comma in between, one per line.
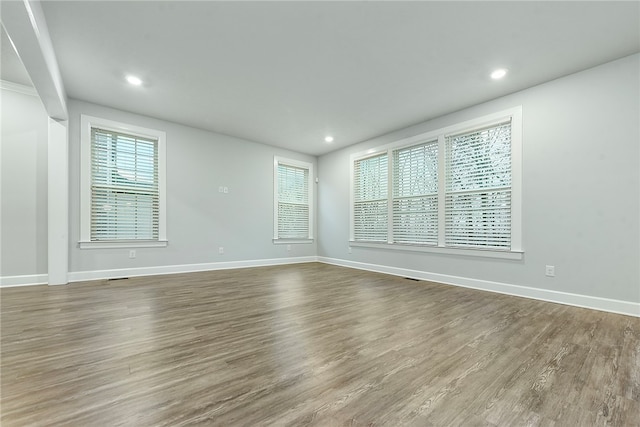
x=58, y=202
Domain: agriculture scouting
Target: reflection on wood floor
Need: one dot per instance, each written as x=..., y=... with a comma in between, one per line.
x=309, y=344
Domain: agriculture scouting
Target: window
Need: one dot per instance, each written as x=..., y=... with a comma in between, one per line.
x=122, y=185
x=293, y=200
x=370, y=211
x=478, y=188
x=455, y=190
x=415, y=194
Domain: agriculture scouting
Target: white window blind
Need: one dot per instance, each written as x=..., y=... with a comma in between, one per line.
x=455, y=190
x=370, y=210
x=415, y=194
x=293, y=202
x=478, y=188
x=124, y=187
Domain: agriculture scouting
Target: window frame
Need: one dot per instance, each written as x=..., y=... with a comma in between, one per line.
x=516, y=250
x=278, y=160
x=87, y=123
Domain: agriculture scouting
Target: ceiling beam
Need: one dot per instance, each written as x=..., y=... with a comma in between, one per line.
x=27, y=29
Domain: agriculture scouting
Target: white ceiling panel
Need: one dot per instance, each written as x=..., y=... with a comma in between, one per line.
x=289, y=73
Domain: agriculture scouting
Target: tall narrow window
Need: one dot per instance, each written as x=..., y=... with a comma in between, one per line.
x=478, y=188
x=415, y=194
x=124, y=187
x=370, y=208
x=292, y=199
x=122, y=184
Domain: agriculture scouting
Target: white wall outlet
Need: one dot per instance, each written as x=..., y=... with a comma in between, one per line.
x=221, y=189
x=132, y=253
x=288, y=247
x=226, y=190
x=220, y=250
x=350, y=250
x=550, y=270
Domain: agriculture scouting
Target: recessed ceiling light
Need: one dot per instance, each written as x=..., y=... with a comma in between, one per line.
x=328, y=139
x=134, y=80
x=498, y=74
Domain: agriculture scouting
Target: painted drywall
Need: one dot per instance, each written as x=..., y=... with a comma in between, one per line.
x=200, y=219
x=23, y=185
x=581, y=189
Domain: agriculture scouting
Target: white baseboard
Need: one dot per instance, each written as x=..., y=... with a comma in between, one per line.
x=26, y=280
x=80, y=276
x=585, y=301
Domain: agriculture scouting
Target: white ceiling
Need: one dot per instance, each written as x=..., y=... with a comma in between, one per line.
x=11, y=68
x=289, y=73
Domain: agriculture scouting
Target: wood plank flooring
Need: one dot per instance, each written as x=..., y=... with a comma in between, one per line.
x=309, y=345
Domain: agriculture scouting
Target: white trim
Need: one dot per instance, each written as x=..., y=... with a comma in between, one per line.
x=442, y=194
x=291, y=241
x=15, y=87
x=596, y=303
x=88, y=122
x=576, y=300
x=80, y=276
x=352, y=218
x=123, y=244
x=276, y=161
x=487, y=253
x=26, y=280
x=390, y=189
x=516, y=180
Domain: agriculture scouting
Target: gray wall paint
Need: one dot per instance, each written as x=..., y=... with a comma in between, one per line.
x=199, y=218
x=581, y=188
x=581, y=191
x=23, y=192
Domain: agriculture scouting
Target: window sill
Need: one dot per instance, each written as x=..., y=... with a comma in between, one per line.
x=291, y=241
x=116, y=244
x=486, y=253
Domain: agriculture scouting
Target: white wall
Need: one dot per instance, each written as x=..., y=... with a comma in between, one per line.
x=23, y=187
x=581, y=198
x=199, y=218
x=581, y=189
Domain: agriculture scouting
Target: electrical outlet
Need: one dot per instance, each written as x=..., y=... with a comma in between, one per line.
x=220, y=250
x=221, y=189
x=550, y=270
x=226, y=190
x=132, y=254
x=350, y=250
x=288, y=247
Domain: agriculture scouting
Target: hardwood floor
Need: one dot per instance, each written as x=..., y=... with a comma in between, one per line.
x=309, y=344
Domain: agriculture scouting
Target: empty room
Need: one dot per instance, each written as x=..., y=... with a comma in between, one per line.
x=320, y=213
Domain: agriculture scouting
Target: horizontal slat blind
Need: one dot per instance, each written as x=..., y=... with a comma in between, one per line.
x=293, y=202
x=370, y=216
x=415, y=194
x=124, y=187
x=478, y=188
